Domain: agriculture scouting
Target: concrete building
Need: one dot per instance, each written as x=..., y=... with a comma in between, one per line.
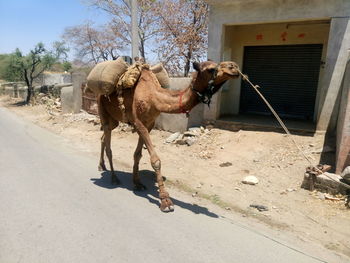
x=296, y=50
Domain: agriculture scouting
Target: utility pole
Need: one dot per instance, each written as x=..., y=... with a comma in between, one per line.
x=134, y=30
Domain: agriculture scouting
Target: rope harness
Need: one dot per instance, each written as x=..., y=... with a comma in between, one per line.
x=182, y=109
x=206, y=95
x=256, y=87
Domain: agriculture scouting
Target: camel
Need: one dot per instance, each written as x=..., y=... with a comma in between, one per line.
x=145, y=102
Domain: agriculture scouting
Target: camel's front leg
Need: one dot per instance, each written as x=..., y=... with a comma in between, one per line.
x=166, y=205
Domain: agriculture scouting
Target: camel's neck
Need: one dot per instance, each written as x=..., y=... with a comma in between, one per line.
x=182, y=101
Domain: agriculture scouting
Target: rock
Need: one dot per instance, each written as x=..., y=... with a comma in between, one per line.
x=194, y=194
x=52, y=113
x=202, y=129
x=180, y=142
x=261, y=208
x=225, y=164
x=204, y=154
x=291, y=190
x=238, y=189
x=190, y=133
x=191, y=140
x=252, y=180
x=209, y=127
x=329, y=197
x=222, y=147
x=321, y=196
x=346, y=175
x=326, y=182
x=255, y=160
x=173, y=137
x=345, y=172
x=228, y=208
x=194, y=130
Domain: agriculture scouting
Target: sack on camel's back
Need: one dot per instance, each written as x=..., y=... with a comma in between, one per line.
x=162, y=75
x=129, y=78
x=103, y=78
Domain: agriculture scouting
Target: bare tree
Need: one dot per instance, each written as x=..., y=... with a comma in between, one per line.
x=94, y=44
x=120, y=10
x=182, y=33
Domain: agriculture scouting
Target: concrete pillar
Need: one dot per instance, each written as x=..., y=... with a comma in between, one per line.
x=78, y=78
x=337, y=54
x=343, y=127
x=215, y=44
x=67, y=101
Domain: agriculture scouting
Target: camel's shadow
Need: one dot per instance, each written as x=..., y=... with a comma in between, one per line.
x=151, y=193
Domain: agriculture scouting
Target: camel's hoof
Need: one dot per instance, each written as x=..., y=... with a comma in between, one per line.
x=115, y=180
x=166, y=205
x=102, y=167
x=140, y=187
x=168, y=209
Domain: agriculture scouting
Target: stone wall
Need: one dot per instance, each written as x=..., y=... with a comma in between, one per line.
x=14, y=89
x=48, y=83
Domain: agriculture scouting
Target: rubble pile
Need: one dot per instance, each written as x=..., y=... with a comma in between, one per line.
x=51, y=103
x=188, y=137
x=82, y=116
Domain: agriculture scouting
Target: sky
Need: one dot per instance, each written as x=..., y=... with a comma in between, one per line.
x=24, y=23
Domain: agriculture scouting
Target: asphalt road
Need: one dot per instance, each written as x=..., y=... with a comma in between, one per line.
x=56, y=207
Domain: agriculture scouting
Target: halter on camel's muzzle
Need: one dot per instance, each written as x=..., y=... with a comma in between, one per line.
x=206, y=95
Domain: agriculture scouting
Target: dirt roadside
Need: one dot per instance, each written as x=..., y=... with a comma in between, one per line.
x=196, y=169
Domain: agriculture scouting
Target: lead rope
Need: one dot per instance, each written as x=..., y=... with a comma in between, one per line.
x=256, y=88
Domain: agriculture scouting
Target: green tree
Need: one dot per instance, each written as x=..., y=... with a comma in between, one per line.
x=29, y=67
x=67, y=66
x=6, y=72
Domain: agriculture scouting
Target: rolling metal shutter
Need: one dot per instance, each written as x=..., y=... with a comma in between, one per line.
x=288, y=76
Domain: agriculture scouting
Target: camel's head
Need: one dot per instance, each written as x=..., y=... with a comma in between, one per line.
x=227, y=70
x=211, y=76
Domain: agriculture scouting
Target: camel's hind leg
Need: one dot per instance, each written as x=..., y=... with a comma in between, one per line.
x=107, y=132
x=102, y=166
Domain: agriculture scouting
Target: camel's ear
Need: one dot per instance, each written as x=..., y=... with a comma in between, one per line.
x=196, y=66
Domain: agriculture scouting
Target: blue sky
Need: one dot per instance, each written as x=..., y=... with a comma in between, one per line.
x=23, y=23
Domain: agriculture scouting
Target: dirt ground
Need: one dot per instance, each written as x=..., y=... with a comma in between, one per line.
x=270, y=156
